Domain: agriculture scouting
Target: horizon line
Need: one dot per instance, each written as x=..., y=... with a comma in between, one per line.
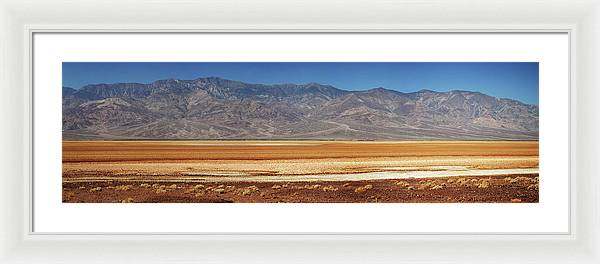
x=307, y=83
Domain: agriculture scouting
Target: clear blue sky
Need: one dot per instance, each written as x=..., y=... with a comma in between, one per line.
x=515, y=80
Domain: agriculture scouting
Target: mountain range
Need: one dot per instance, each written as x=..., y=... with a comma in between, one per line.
x=216, y=108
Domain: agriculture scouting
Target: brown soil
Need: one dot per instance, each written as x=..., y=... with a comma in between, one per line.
x=522, y=188
x=181, y=171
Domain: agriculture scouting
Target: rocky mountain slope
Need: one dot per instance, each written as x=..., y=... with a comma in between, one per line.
x=215, y=108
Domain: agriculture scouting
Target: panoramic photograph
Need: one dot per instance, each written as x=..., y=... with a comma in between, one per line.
x=300, y=132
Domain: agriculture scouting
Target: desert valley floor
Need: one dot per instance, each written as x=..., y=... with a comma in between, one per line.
x=300, y=171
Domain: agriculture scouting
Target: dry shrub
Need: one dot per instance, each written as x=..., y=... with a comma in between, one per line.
x=437, y=187
x=427, y=184
x=462, y=181
x=483, y=184
x=156, y=185
x=172, y=186
x=219, y=190
x=195, y=188
x=97, y=189
x=199, y=194
x=246, y=192
x=450, y=181
x=329, y=188
x=81, y=187
x=402, y=183
x=374, y=199
x=128, y=200
x=533, y=187
x=312, y=187
x=123, y=187
x=520, y=179
x=410, y=188
x=276, y=187
x=363, y=188
x=145, y=185
x=249, y=190
x=70, y=195
x=284, y=186
x=161, y=189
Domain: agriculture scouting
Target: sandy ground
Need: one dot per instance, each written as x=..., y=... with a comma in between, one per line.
x=166, y=171
x=496, y=189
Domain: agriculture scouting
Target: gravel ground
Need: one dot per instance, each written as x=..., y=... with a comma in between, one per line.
x=496, y=189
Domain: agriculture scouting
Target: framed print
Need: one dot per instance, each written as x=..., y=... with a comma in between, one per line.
x=295, y=126
x=202, y=137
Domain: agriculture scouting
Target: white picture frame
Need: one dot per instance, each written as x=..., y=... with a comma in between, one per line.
x=20, y=20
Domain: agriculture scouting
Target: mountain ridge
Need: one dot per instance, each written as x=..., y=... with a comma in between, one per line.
x=217, y=108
